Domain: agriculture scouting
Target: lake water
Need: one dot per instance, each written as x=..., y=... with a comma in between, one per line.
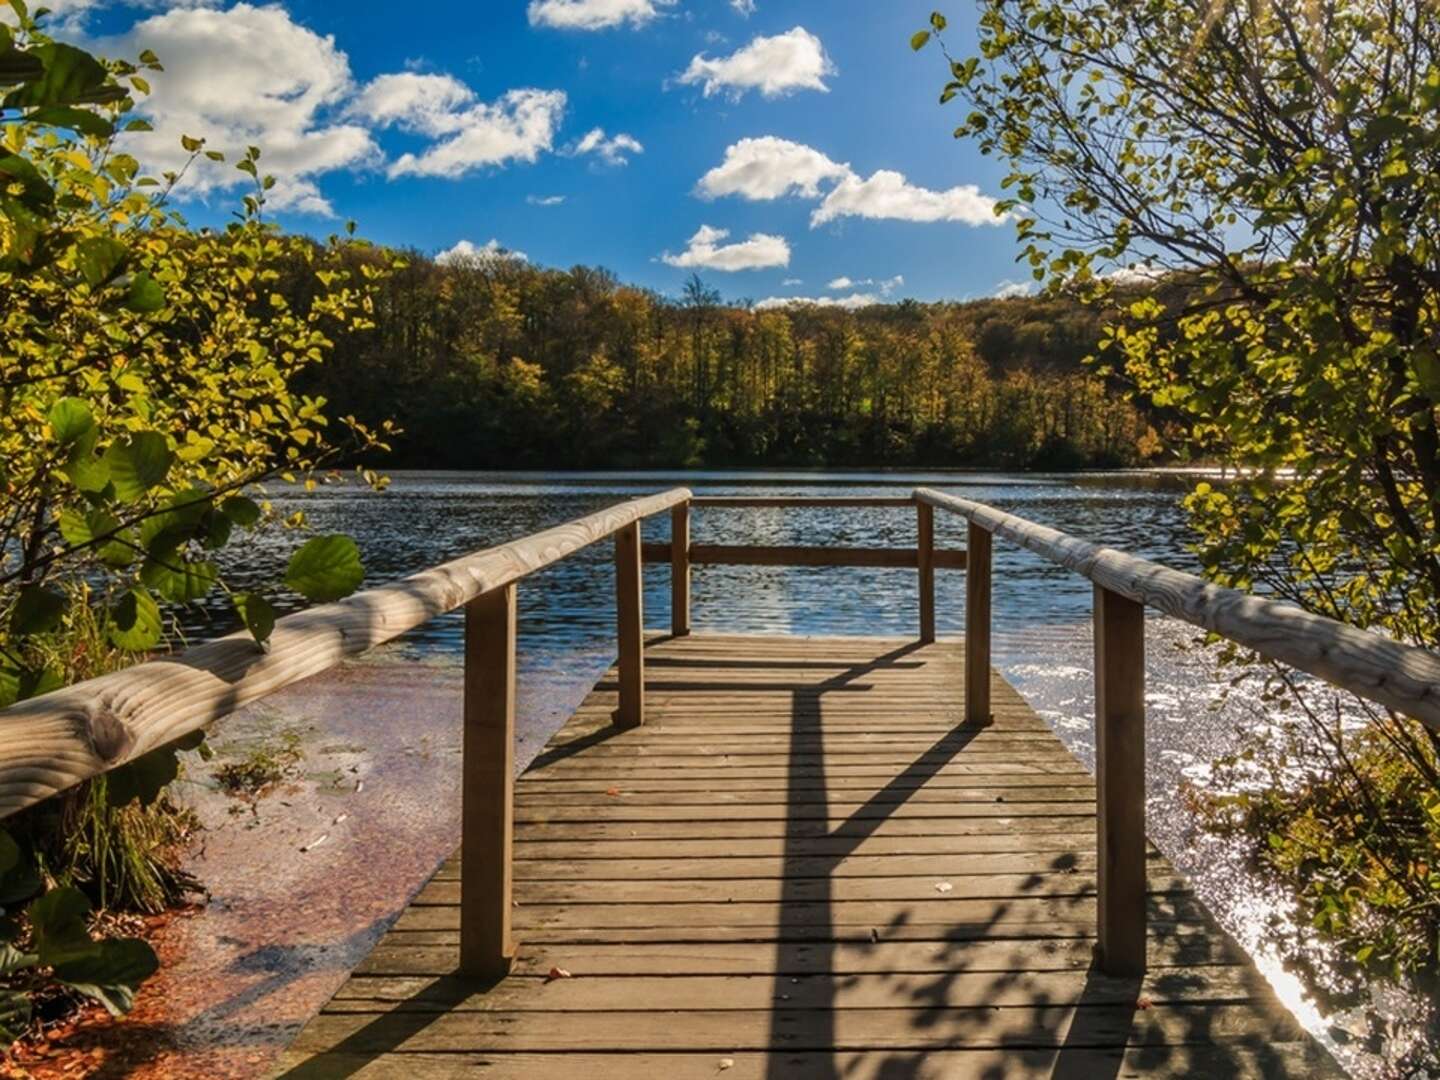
x=1042, y=637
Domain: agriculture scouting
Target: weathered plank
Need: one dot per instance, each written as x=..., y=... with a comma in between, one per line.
x=806, y=865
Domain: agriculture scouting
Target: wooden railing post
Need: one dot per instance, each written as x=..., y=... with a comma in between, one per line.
x=488, y=796
x=680, y=569
x=630, y=626
x=977, y=626
x=925, y=558
x=1120, y=780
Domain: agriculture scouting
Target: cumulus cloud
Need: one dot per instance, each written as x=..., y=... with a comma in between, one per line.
x=767, y=168
x=247, y=76
x=1008, y=290
x=885, y=285
x=770, y=168
x=611, y=150
x=850, y=303
x=469, y=134
x=593, y=14
x=794, y=60
x=888, y=195
x=544, y=200
x=706, y=251
x=467, y=252
x=744, y=7
x=251, y=76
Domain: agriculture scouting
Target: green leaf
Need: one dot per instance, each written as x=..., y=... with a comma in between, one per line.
x=37, y=611
x=144, y=778
x=257, y=614
x=72, y=77
x=325, y=568
x=111, y=972
x=242, y=511
x=70, y=419
x=145, y=295
x=99, y=258
x=67, y=116
x=22, y=684
x=179, y=581
x=87, y=472
x=137, y=463
x=81, y=529
x=57, y=921
x=134, y=623
x=919, y=39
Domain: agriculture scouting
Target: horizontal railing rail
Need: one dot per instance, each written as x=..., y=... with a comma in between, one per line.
x=761, y=555
x=53, y=742
x=1398, y=676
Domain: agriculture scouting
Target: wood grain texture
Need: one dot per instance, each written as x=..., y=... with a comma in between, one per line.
x=1120, y=780
x=925, y=563
x=680, y=569
x=977, y=628
x=629, y=627
x=1397, y=676
x=488, y=799
x=53, y=742
x=745, y=887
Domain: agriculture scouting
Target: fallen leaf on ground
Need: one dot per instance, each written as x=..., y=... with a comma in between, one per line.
x=1143, y=1003
x=558, y=973
x=943, y=886
x=612, y=792
x=726, y=1063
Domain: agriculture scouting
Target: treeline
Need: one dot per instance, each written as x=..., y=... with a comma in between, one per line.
x=491, y=362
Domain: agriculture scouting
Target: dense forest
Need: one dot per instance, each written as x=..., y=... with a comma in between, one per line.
x=487, y=361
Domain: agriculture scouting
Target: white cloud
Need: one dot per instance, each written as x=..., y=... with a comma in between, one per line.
x=1008, y=290
x=240, y=77
x=761, y=250
x=792, y=281
x=467, y=252
x=544, y=200
x=850, y=303
x=593, y=14
x=767, y=168
x=888, y=195
x=744, y=7
x=469, y=134
x=612, y=151
x=1135, y=274
x=777, y=65
x=885, y=285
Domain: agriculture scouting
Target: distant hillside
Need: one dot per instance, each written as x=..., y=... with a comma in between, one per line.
x=491, y=362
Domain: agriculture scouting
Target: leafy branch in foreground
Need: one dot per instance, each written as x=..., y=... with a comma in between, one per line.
x=1278, y=167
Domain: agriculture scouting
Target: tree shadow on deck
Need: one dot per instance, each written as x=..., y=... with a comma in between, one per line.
x=1024, y=1016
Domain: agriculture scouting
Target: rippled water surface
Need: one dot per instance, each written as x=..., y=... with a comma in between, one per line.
x=1042, y=639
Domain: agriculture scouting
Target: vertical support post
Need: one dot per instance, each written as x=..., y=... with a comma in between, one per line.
x=630, y=627
x=680, y=569
x=488, y=796
x=925, y=552
x=1120, y=780
x=977, y=625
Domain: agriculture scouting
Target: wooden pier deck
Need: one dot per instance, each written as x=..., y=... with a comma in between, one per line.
x=805, y=864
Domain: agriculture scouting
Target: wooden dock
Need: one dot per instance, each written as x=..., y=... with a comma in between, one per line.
x=806, y=864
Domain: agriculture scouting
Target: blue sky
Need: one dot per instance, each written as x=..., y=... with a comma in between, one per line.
x=445, y=123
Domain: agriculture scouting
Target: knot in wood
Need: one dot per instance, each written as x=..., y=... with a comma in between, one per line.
x=109, y=738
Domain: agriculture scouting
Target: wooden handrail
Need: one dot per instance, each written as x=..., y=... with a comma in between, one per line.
x=780, y=501
x=51, y=743
x=763, y=555
x=1400, y=677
